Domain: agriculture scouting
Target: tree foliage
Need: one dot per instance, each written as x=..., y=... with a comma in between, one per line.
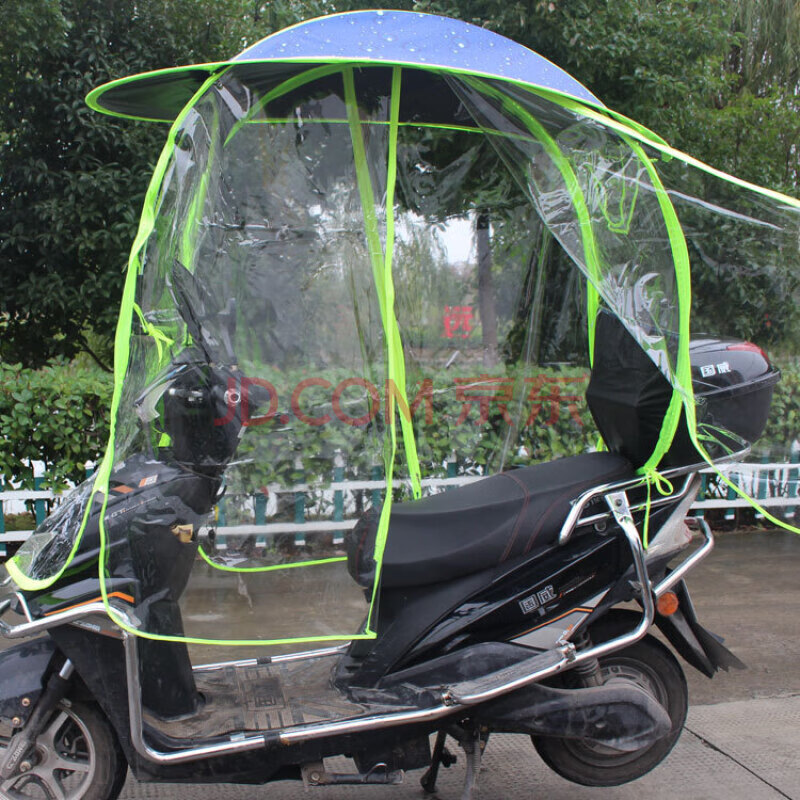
x=717, y=79
x=72, y=181
x=55, y=415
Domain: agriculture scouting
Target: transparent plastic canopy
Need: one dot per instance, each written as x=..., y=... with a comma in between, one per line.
x=354, y=283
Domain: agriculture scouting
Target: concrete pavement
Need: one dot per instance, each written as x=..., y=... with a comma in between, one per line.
x=739, y=750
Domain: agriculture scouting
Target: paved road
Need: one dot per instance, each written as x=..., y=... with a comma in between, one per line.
x=739, y=750
x=742, y=737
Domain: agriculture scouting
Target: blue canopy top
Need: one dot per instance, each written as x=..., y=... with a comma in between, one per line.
x=408, y=37
x=396, y=37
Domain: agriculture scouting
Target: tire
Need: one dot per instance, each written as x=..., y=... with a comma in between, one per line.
x=653, y=667
x=77, y=752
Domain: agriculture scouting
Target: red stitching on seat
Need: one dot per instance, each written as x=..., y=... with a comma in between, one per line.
x=520, y=515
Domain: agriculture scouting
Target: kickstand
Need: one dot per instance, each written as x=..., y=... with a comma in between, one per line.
x=473, y=749
x=441, y=756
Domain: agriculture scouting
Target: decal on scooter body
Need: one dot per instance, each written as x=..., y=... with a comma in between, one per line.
x=537, y=600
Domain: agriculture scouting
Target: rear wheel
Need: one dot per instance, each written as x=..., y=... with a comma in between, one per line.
x=652, y=667
x=76, y=757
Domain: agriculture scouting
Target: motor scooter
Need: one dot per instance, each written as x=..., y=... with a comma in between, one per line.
x=522, y=602
x=514, y=618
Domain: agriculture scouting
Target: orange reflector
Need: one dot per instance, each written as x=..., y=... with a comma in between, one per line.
x=667, y=604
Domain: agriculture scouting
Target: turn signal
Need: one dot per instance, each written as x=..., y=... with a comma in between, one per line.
x=667, y=604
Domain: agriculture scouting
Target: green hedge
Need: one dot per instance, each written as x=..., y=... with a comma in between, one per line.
x=58, y=415
x=274, y=453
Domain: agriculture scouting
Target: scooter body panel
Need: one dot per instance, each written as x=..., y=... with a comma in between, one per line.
x=419, y=624
x=23, y=669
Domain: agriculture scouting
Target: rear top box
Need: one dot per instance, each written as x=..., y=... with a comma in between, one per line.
x=628, y=396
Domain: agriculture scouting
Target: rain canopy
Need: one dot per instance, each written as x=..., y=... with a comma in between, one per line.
x=371, y=259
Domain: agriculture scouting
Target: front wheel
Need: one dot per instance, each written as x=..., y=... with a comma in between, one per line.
x=652, y=667
x=76, y=757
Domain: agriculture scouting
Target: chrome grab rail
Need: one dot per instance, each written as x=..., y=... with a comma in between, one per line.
x=574, y=517
x=654, y=503
x=26, y=629
x=677, y=574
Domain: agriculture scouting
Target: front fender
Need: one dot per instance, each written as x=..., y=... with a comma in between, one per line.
x=22, y=677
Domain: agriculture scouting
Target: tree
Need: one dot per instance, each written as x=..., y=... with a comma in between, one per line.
x=72, y=181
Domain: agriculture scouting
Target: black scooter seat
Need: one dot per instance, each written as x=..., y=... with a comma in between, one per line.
x=482, y=524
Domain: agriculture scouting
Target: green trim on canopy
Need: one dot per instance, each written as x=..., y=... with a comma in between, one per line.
x=284, y=88
x=267, y=567
x=382, y=270
x=122, y=356
x=620, y=124
x=576, y=195
x=93, y=97
x=272, y=567
x=680, y=253
x=683, y=368
x=600, y=113
x=123, y=333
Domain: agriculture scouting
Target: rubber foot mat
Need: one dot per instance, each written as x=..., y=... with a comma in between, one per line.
x=261, y=698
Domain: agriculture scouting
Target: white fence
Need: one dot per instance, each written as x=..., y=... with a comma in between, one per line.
x=333, y=509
